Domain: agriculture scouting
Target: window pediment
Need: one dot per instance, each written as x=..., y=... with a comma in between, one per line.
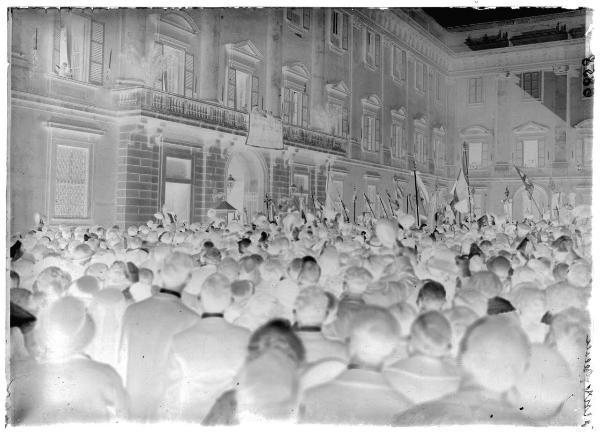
x=399, y=113
x=244, y=53
x=337, y=90
x=420, y=121
x=585, y=126
x=439, y=130
x=475, y=131
x=531, y=128
x=181, y=21
x=296, y=76
x=371, y=103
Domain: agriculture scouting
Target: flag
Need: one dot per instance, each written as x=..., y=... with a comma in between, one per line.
x=392, y=200
x=399, y=193
x=460, y=194
x=422, y=188
x=465, y=162
x=526, y=181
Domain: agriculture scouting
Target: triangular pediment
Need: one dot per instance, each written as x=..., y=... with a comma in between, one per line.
x=475, y=131
x=298, y=70
x=248, y=48
x=372, y=100
x=339, y=88
x=531, y=128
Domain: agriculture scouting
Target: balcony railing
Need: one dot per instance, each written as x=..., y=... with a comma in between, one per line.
x=166, y=103
x=314, y=139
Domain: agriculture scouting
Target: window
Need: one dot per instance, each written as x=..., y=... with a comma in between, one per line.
x=531, y=82
x=440, y=155
x=295, y=107
x=371, y=133
x=530, y=153
x=420, y=147
x=339, y=30
x=475, y=90
x=299, y=17
x=178, y=70
x=178, y=187
x=372, y=48
x=242, y=84
x=79, y=48
x=301, y=183
x=372, y=195
x=583, y=150
x=398, y=63
x=475, y=155
x=339, y=119
x=71, y=182
x=398, y=147
x=438, y=86
x=419, y=76
x=173, y=74
x=242, y=90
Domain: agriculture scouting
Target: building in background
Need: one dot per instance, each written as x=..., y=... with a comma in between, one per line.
x=114, y=113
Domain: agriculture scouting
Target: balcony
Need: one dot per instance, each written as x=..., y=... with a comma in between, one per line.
x=209, y=114
x=314, y=140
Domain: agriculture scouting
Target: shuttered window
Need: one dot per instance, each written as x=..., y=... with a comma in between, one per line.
x=97, y=52
x=339, y=29
x=189, y=75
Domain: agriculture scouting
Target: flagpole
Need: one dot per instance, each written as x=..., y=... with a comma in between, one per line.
x=466, y=171
x=354, y=206
x=416, y=191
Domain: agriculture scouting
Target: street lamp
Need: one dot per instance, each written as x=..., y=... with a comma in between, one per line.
x=230, y=183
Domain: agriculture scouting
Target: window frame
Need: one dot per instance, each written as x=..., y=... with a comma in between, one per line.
x=526, y=96
x=66, y=20
x=301, y=25
x=339, y=35
x=399, y=150
x=165, y=179
x=476, y=101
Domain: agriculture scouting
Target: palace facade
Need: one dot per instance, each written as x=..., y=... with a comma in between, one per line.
x=114, y=113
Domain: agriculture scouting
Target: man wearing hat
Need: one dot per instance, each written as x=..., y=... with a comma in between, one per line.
x=65, y=385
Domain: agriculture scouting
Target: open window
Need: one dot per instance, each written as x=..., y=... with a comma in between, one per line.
x=530, y=147
x=398, y=133
x=371, y=123
x=295, y=95
x=479, y=142
x=243, y=60
x=337, y=106
x=78, y=47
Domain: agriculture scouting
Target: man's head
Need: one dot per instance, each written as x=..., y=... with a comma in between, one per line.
x=495, y=352
x=431, y=334
x=310, y=273
x=215, y=294
x=432, y=296
x=374, y=335
x=311, y=306
x=176, y=271
x=356, y=280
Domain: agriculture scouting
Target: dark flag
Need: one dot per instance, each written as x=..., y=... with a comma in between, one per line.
x=526, y=181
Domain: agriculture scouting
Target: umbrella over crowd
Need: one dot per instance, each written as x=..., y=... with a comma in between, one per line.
x=301, y=319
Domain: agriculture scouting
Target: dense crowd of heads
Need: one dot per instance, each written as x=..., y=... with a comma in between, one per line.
x=301, y=320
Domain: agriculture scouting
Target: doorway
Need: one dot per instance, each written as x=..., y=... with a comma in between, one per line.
x=247, y=194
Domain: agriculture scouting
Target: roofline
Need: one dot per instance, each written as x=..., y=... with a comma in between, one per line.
x=515, y=21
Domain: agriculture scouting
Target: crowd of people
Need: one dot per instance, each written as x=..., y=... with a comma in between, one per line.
x=301, y=319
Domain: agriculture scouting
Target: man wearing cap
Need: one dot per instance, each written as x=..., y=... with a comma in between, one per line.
x=148, y=330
